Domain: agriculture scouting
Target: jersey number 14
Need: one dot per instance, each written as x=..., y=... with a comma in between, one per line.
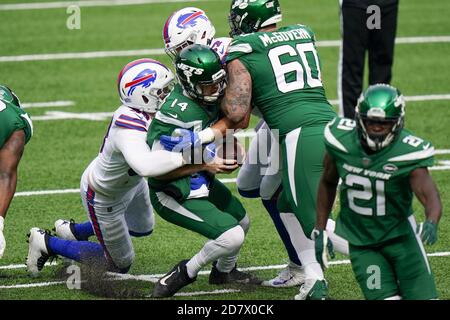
x=302, y=68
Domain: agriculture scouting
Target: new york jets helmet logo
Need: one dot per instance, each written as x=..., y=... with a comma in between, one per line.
x=189, y=71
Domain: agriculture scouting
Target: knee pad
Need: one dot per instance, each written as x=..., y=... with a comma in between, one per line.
x=232, y=239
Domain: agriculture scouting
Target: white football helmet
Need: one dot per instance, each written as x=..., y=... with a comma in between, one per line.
x=144, y=83
x=187, y=26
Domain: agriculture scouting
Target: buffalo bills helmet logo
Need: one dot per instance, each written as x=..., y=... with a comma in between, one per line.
x=190, y=19
x=145, y=79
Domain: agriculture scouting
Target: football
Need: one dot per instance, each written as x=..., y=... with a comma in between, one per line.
x=230, y=148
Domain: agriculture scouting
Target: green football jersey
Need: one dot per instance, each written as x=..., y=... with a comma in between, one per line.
x=12, y=118
x=375, y=194
x=286, y=77
x=179, y=111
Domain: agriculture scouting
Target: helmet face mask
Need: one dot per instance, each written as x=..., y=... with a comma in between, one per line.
x=185, y=27
x=143, y=84
x=201, y=73
x=248, y=17
x=379, y=116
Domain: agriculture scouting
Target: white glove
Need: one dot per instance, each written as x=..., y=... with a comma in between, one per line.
x=2, y=238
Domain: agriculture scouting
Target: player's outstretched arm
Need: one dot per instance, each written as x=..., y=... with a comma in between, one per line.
x=326, y=192
x=10, y=155
x=216, y=166
x=425, y=190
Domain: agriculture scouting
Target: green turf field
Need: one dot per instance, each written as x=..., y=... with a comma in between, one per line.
x=61, y=149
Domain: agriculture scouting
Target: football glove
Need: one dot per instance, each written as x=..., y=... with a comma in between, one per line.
x=2, y=238
x=181, y=139
x=323, y=246
x=427, y=232
x=197, y=180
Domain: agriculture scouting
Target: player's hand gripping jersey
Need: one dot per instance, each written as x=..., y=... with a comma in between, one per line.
x=375, y=194
x=286, y=77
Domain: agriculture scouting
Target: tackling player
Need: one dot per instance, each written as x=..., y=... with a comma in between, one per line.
x=381, y=165
x=190, y=197
x=16, y=130
x=113, y=191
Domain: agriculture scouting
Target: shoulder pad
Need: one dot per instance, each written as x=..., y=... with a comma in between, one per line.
x=335, y=130
x=412, y=148
x=133, y=119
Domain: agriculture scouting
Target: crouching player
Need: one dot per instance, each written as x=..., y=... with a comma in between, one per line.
x=113, y=191
x=190, y=197
x=381, y=165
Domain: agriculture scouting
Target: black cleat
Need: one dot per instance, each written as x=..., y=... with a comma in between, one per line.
x=172, y=281
x=234, y=276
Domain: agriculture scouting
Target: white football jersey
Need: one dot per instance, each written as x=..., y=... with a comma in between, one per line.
x=220, y=45
x=109, y=173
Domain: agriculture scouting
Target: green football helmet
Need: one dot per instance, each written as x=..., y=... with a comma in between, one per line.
x=8, y=96
x=199, y=69
x=383, y=104
x=248, y=16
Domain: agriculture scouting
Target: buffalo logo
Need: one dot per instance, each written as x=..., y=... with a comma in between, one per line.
x=190, y=19
x=145, y=79
x=390, y=168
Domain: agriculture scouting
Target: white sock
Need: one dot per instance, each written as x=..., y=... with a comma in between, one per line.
x=303, y=246
x=339, y=243
x=226, y=244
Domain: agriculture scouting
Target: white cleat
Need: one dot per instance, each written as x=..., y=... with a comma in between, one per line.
x=38, y=252
x=290, y=276
x=63, y=229
x=313, y=289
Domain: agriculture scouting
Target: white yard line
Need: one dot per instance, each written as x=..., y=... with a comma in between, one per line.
x=154, y=277
x=90, y=3
x=47, y=104
x=158, y=51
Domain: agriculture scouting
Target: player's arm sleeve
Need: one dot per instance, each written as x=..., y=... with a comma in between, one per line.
x=144, y=161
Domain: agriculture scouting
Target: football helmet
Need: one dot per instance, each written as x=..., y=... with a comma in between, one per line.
x=248, y=16
x=184, y=27
x=384, y=104
x=199, y=69
x=144, y=83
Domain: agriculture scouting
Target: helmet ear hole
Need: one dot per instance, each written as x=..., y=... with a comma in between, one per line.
x=145, y=99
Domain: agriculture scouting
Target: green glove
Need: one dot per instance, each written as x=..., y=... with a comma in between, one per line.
x=323, y=246
x=428, y=232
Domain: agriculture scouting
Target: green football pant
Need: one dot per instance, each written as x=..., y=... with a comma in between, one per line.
x=209, y=216
x=398, y=267
x=302, y=155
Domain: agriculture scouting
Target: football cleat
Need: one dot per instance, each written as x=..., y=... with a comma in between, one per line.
x=234, y=276
x=313, y=289
x=290, y=276
x=172, y=281
x=65, y=229
x=38, y=251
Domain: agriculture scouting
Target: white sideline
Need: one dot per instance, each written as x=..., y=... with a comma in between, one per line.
x=158, y=51
x=153, y=277
x=90, y=3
